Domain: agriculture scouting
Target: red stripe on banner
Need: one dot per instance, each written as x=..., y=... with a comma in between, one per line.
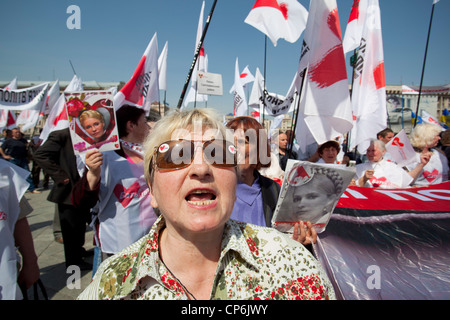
x=431, y=198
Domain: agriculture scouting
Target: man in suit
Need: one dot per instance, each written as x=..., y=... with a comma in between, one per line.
x=56, y=157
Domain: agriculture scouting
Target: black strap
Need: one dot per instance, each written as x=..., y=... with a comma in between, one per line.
x=35, y=290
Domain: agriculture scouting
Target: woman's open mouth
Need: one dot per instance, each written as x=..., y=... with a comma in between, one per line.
x=201, y=197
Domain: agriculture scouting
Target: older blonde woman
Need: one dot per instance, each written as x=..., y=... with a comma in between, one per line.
x=424, y=139
x=381, y=173
x=194, y=251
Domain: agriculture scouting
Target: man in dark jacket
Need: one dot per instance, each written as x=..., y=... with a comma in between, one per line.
x=56, y=157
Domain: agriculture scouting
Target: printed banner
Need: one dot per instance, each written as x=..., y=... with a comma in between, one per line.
x=92, y=121
x=24, y=99
x=389, y=244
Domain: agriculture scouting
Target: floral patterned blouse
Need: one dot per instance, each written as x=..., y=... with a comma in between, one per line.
x=256, y=263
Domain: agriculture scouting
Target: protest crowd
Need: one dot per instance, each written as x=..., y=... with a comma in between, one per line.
x=186, y=205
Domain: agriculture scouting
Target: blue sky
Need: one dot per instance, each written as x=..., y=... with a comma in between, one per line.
x=36, y=44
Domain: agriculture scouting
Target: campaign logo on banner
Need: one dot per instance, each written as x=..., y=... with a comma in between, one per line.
x=401, y=150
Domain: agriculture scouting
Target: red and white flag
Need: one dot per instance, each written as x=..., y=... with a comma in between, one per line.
x=162, y=67
x=52, y=97
x=240, y=101
x=369, y=88
x=325, y=108
x=277, y=19
x=8, y=117
x=246, y=78
x=143, y=87
x=200, y=65
x=428, y=118
x=57, y=118
x=353, y=32
x=401, y=150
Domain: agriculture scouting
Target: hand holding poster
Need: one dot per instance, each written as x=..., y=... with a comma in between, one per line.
x=92, y=121
x=309, y=192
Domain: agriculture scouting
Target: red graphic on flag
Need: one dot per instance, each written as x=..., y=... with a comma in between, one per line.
x=330, y=68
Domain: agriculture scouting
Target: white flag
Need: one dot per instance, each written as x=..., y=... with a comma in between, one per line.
x=200, y=65
x=277, y=19
x=240, y=102
x=7, y=119
x=143, y=87
x=52, y=97
x=369, y=89
x=353, y=32
x=57, y=118
x=325, y=108
x=162, y=67
x=246, y=78
x=428, y=118
x=401, y=150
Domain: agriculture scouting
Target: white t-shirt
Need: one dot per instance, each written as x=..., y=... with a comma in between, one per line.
x=435, y=171
x=125, y=213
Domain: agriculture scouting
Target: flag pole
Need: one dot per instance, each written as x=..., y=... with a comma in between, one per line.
x=264, y=92
x=303, y=74
x=72, y=67
x=197, y=52
x=423, y=66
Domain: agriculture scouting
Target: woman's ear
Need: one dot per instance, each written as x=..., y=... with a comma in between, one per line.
x=153, y=201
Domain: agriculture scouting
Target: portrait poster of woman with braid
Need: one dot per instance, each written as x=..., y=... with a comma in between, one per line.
x=310, y=192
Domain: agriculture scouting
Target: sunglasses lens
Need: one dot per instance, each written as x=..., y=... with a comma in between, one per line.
x=174, y=154
x=179, y=154
x=220, y=153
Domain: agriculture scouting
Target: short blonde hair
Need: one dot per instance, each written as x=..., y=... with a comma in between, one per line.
x=179, y=120
x=91, y=114
x=423, y=135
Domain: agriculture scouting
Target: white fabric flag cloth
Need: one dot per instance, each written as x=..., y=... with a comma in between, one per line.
x=353, y=32
x=369, y=88
x=325, y=107
x=7, y=117
x=401, y=150
x=57, y=118
x=285, y=19
x=52, y=97
x=246, y=78
x=200, y=65
x=256, y=94
x=428, y=118
x=240, y=101
x=143, y=87
x=29, y=118
x=162, y=67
